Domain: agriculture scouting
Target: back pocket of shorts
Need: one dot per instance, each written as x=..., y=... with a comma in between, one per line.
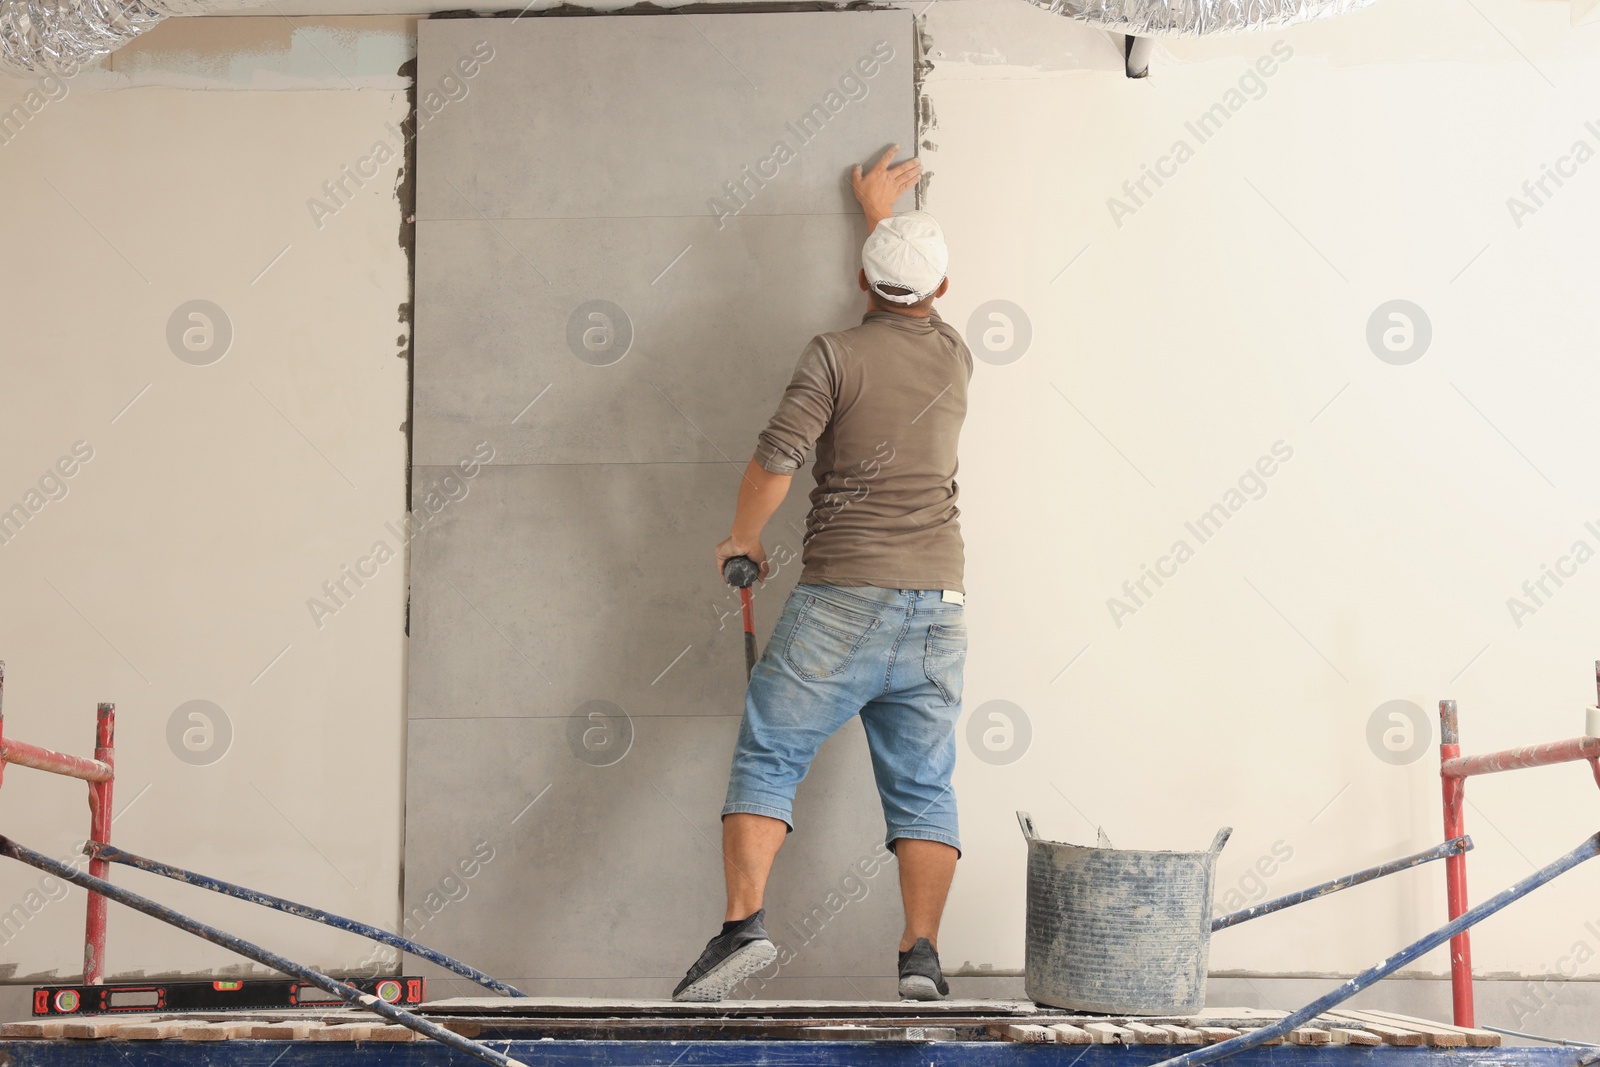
x=945, y=658
x=825, y=637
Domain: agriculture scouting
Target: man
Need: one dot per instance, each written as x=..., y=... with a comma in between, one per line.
x=875, y=628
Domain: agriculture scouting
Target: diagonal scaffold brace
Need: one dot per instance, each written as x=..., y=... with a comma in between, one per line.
x=112, y=854
x=347, y=993
x=1454, y=847
x=1345, y=990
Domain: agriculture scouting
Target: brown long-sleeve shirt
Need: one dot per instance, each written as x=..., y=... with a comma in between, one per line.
x=883, y=404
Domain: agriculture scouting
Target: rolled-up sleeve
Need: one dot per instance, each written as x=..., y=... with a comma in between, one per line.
x=803, y=413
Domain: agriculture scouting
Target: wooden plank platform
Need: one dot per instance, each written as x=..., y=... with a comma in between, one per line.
x=578, y=1007
x=756, y=1034
x=582, y=1019
x=855, y=1032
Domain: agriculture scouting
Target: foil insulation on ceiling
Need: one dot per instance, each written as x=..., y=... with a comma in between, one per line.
x=40, y=37
x=1195, y=18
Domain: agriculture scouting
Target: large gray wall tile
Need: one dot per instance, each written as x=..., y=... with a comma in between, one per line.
x=715, y=338
x=614, y=871
x=625, y=115
x=576, y=568
x=550, y=585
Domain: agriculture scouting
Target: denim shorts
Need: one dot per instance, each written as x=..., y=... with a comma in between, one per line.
x=892, y=656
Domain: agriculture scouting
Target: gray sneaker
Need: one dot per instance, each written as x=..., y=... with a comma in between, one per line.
x=729, y=958
x=920, y=976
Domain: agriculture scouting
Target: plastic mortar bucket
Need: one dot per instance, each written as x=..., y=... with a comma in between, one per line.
x=1118, y=931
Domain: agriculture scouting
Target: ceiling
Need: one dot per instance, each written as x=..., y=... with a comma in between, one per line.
x=400, y=7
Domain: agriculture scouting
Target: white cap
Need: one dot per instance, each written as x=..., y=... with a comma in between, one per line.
x=907, y=251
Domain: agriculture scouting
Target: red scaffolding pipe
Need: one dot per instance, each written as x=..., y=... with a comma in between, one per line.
x=1455, y=867
x=1454, y=770
x=94, y=929
x=45, y=759
x=1515, y=759
x=99, y=773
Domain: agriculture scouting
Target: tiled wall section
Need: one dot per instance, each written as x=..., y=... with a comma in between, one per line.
x=573, y=161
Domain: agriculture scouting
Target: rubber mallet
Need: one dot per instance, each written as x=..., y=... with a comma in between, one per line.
x=741, y=572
